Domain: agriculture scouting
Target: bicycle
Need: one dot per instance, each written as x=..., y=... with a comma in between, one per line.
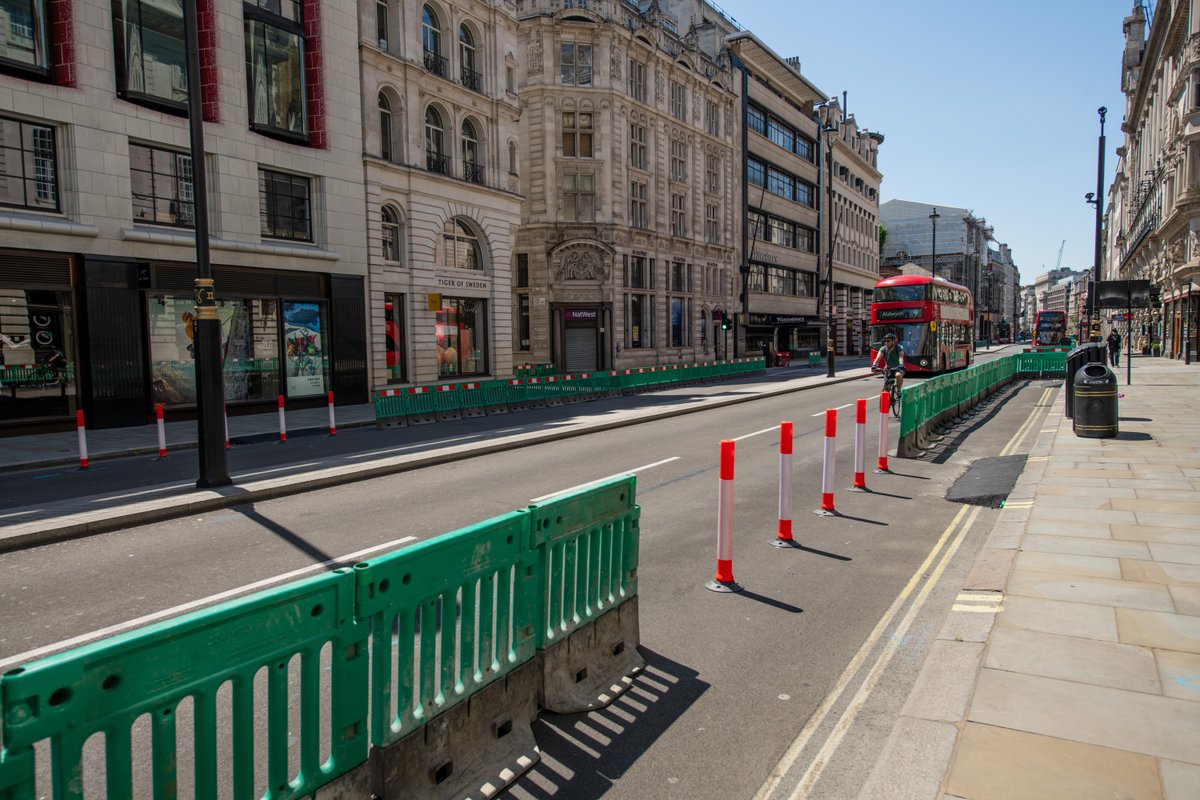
x=889, y=386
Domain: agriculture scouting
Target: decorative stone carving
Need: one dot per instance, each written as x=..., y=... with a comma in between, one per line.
x=616, y=58
x=579, y=263
x=535, y=57
x=659, y=86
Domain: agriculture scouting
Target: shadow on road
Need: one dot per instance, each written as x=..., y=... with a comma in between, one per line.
x=583, y=755
x=289, y=536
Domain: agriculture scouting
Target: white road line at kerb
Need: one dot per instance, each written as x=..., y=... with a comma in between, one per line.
x=839, y=408
x=602, y=480
x=756, y=433
x=427, y=445
x=349, y=558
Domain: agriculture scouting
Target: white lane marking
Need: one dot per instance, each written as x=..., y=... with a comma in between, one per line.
x=168, y=487
x=756, y=433
x=633, y=471
x=212, y=598
x=434, y=443
x=839, y=408
x=276, y=469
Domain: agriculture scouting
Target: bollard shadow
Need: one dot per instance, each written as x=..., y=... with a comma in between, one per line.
x=583, y=755
x=769, y=601
x=288, y=535
x=840, y=515
x=878, y=493
x=817, y=552
x=907, y=475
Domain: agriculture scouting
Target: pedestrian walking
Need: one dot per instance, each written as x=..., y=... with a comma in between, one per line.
x=1114, y=348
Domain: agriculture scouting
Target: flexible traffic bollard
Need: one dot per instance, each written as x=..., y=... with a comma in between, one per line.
x=885, y=404
x=162, y=430
x=79, y=428
x=827, y=509
x=784, y=537
x=332, y=423
x=860, y=446
x=282, y=422
x=723, y=580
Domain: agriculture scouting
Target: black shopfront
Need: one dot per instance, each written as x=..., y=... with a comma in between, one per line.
x=124, y=331
x=783, y=333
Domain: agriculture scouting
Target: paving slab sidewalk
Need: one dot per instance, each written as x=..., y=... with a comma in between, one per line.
x=1087, y=683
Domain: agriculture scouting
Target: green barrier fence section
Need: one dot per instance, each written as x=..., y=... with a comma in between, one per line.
x=442, y=620
x=424, y=401
x=587, y=556
x=107, y=686
x=447, y=617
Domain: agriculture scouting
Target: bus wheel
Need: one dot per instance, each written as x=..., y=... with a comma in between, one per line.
x=943, y=363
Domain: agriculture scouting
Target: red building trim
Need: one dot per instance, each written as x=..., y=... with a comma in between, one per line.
x=62, y=34
x=313, y=70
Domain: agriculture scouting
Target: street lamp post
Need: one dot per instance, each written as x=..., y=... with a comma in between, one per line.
x=933, y=256
x=210, y=391
x=830, y=126
x=1094, y=306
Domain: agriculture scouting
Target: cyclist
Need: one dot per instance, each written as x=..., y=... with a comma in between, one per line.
x=891, y=355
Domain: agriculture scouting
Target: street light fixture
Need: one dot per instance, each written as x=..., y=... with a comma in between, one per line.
x=829, y=125
x=933, y=256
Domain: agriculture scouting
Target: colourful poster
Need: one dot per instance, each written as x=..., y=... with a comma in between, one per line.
x=304, y=348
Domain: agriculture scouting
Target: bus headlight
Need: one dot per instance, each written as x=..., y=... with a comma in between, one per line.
x=924, y=362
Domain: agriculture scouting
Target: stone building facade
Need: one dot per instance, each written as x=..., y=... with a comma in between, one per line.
x=1152, y=222
x=441, y=163
x=97, y=211
x=628, y=141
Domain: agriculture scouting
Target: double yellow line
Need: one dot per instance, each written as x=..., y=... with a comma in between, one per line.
x=1023, y=431
x=942, y=553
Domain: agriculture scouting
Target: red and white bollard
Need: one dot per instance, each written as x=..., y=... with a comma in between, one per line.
x=784, y=537
x=81, y=430
x=723, y=580
x=860, y=446
x=282, y=422
x=827, y=509
x=225, y=414
x=162, y=430
x=885, y=405
x=332, y=423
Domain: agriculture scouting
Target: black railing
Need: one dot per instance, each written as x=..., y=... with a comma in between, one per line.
x=473, y=172
x=436, y=64
x=472, y=79
x=438, y=162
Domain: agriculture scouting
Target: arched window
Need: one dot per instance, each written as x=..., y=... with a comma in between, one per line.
x=466, y=58
x=390, y=234
x=435, y=142
x=431, y=39
x=385, y=128
x=462, y=246
x=472, y=168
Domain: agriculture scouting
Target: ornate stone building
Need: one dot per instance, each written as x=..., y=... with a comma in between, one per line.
x=1152, y=223
x=627, y=247
x=441, y=165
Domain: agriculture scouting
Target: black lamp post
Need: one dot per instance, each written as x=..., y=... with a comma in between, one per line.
x=1095, y=304
x=933, y=256
x=830, y=126
x=210, y=388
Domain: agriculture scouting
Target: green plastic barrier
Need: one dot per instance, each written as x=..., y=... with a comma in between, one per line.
x=389, y=404
x=586, y=546
x=106, y=686
x=433, y=609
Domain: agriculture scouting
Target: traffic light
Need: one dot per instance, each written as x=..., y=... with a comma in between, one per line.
x=725, y=325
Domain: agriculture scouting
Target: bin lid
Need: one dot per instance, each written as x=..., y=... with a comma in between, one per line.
x=1095, y=374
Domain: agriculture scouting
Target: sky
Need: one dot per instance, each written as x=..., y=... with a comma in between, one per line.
x=988, y=106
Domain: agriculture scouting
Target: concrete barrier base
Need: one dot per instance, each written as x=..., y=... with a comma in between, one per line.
x=473, y=750
x=594, y=665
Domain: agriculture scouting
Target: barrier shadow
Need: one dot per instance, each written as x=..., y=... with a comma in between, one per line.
x=957, y=433
x=583, y=755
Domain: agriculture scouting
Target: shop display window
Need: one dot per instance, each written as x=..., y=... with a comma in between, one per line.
x=393, y=333
x=461, y=326
x=37, y=355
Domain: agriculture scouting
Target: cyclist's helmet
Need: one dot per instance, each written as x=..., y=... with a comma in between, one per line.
x=889, y=337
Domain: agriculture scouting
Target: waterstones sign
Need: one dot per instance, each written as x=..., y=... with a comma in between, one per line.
x=463, y=283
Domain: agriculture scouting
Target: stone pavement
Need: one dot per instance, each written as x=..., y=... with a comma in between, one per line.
x=1069, y=666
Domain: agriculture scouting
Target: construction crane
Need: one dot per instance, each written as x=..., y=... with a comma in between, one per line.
x=1058, y=263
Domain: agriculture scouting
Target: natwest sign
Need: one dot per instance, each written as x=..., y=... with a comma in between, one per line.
x=581, y=314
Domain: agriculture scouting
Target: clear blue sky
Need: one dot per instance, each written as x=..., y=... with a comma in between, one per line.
x=989, y=106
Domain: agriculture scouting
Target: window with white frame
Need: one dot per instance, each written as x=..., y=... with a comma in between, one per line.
x=381, y=23
x=637, y=146
x=712, y=224
x=678, y=215
x=712, y=118
x=575, y=64
x=637, y=80
x=431, y=42
x=678, y=101
x=29, y=165
x=678, y=160
x=390, y=233
x=461, y=246
x=712, y=174
x=472, y=163
x=576, y=134
x=436, y=159
x=385, y=128
x=637, y=205
x=579, y=197
x=470, y=76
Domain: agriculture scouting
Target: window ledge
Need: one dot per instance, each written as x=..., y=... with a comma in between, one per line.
x=187, y=238
x=30, y=223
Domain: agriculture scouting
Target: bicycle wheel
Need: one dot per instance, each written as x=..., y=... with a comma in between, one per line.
x=896, y=404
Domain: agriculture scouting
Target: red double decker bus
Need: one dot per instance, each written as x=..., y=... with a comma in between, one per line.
x=932, y=318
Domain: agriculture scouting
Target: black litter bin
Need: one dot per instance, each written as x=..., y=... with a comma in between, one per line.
x=1095, y=402
x=1084, y=354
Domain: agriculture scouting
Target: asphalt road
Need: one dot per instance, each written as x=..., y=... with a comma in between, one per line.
x=731, y=680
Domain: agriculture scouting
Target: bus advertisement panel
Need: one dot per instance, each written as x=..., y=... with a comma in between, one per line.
x=931, y=317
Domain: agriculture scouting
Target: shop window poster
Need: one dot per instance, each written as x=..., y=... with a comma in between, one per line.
x=305, y=349
x=172, y=345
